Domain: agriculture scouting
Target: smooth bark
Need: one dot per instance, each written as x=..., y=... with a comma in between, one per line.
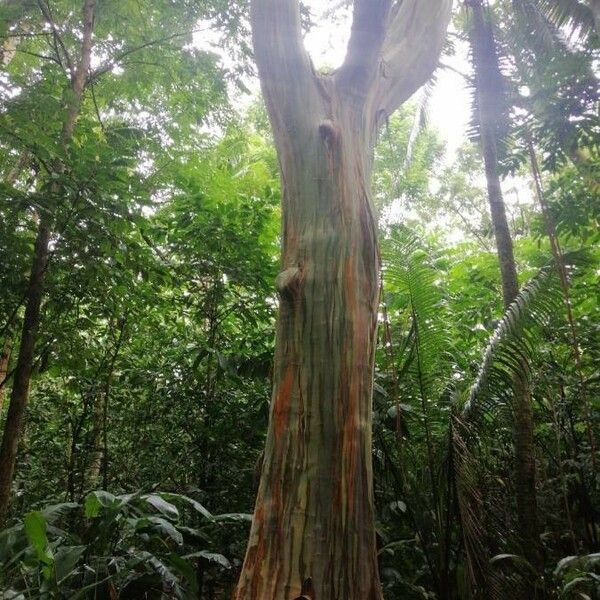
x=486, y=66
x=313, y=531
x=23, y=370
x=9, y=45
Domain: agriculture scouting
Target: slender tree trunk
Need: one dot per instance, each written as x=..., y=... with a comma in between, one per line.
x=487, y=72
x=8, y=330
x=5, y=355
x=96, y=442
x=22, y=378
x=100, y=414
x=557, y=253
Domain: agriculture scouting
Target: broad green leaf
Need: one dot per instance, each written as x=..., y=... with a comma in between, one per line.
x=96, y=501
x=159, y=525
x=65, y=560
x=35, y=528
x=211, y=557
x=166, y=508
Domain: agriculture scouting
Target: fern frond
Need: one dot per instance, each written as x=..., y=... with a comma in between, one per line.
x=509, y=351
x=411, y=277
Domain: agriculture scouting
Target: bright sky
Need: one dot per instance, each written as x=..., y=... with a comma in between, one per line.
x=449, y=107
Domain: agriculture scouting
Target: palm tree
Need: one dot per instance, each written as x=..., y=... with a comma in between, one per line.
x=490, y=114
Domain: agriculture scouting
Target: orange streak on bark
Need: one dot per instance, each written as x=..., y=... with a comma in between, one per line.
x=281, y=417
x=258, y=553
x=281, y=411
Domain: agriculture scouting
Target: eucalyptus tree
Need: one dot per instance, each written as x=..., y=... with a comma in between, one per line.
x=313, y=531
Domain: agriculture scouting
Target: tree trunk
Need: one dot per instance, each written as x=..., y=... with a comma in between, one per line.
x=100, y=415
x=558, y=256
x=313, y=531
x=20, y=390
x=22, y=378
x=315, y=503
x=487, y=72
x=5, y=355
x=9, y=45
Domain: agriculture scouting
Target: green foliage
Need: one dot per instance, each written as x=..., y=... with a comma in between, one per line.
x=578, y=576
x=407, y=156
x=153, y=364
x=129, y=545
x=511, y=347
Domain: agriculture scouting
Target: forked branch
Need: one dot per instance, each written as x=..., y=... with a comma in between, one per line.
x=394, y=47
x=411, y=50
x=283, y=62
x=363, y=59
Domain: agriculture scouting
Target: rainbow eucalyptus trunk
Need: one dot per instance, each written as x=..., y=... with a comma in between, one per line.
x=490, y=92
x=313, y=531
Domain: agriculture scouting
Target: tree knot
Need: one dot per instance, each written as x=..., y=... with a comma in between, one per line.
x=330, y=133
x=308, y=591
x=288, y=282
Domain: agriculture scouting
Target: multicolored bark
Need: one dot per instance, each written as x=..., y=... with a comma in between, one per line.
x=313, y=532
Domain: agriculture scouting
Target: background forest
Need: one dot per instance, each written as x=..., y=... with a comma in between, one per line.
x=148, y=201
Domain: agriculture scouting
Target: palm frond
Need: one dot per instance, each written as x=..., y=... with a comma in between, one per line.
x=532, y=28
x=574, y=15
x=480, y=577
x=512, y=345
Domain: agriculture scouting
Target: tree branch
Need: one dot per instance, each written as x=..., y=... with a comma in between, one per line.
x=97, y=109
x=412, y=48
x=363, y=58
x=284, y=66
x=113, y=62
x=58, y=41
x=24, y=34
x=41, y=56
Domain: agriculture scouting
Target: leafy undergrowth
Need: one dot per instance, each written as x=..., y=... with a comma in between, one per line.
x=155, y=545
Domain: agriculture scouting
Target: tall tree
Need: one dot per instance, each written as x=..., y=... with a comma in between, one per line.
x=313, y=529
x=490, y=107
x=79, y=128
x=24, y=367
